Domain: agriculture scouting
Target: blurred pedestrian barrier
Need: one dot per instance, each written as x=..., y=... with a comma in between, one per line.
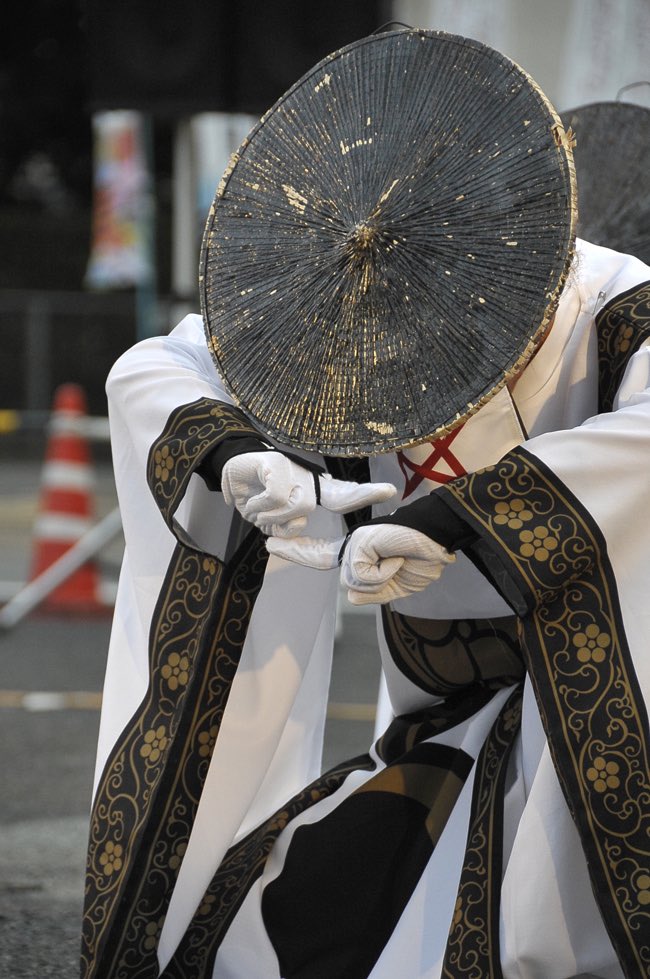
x=36, y=591
x=66, y=540
x=12, y=421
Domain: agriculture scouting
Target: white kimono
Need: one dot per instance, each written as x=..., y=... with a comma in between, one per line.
x=481, y=836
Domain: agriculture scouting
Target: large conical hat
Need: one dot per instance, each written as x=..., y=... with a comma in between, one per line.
x=389, y=244
x=611, y=159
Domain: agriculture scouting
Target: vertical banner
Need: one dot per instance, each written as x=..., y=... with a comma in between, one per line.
x=203, y=145
x=120, y=251
x=215, y=137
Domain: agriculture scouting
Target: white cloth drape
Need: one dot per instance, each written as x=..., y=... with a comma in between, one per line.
x=269, y=742
x=578, y=51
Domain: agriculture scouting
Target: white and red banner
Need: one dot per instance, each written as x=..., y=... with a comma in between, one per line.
x=119, y=255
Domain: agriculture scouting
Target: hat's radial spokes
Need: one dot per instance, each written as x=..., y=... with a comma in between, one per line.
x=389, y=244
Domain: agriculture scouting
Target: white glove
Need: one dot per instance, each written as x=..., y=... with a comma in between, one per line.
x=381, y=562
x=276, y=495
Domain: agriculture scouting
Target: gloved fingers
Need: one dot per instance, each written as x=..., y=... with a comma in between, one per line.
x=342, y=496
x=289, y=492
x=389, y=593
x=366, y=575
x=363, y=568
x=227, y=492
x=416, y=575
x=399, y=586
x=262, y=508
x=307, y=551
x=292, y=528
x=362, y=598
x=267, y=487
x=243, y=476
x=384, y=562
x=263, y=511
x=272, y=501
x=392, y=540
x=404, y=582
x=233, y=493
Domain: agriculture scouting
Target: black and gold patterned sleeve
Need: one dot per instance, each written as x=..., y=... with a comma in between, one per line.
x=524, y=528
x=532, y=535
x=623, y=325
x=548, y=556
x=191, y=433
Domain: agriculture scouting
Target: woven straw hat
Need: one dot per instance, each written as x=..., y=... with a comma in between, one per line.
x=389, y=244
x=611, y=159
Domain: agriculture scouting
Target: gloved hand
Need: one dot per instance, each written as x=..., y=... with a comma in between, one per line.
x=276, y=495
x=381, y=562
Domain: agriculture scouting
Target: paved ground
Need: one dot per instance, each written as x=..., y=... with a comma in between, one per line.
x=51, y=672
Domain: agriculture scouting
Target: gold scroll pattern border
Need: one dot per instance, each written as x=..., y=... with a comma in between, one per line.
x=189, y=435
x=153, y=780
x=151, y=786
x=473, y=942
x=622, y=326
x=577, y=656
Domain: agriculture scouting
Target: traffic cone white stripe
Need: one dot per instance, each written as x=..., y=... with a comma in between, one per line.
x=66, y=511
x=62, y=527
x=68, y=424
x=67, y=475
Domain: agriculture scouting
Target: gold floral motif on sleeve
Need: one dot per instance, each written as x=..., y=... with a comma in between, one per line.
x=622, y=325
x=191, y=432
x=150, y=789
x=576, y=653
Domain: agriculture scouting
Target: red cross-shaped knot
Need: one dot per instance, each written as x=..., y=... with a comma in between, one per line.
x=415, y=472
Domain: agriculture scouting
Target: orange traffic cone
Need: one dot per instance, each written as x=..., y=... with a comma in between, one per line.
x=66, y=505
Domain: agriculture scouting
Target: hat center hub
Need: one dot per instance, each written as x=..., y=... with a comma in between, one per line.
x=362, y=250
x=364, y=235
x=362, y=239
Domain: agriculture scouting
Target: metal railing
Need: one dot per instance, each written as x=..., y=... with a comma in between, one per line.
x=54, y=337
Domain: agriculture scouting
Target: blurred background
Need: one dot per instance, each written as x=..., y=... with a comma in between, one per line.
x=117, y=118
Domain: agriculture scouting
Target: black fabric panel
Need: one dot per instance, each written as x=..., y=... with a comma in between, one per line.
x=211, y=467
x=242, y=865
x=347, y=878
x=334, y=907
x=413, y=728
x=443, y=657
x=433, y=517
